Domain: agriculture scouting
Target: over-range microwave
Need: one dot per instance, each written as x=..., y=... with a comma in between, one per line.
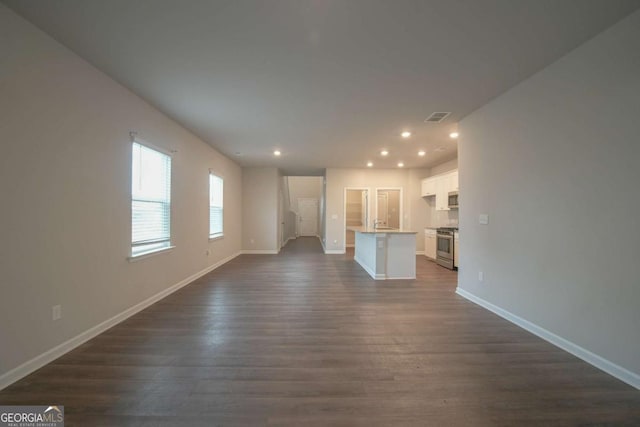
x=453, y=200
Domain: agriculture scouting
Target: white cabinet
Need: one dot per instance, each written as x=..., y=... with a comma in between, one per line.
x=443, y=186
x=430, y=243
x=429, y=187
x=440, y=186
x=454, y=181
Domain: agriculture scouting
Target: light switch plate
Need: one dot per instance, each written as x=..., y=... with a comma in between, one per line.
x=483, y=219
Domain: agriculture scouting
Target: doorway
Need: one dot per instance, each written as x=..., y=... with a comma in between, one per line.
x=307, y=217
x=389, y=207
x=356, y=212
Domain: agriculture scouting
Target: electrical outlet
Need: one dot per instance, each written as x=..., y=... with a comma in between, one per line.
x=56, y=312
x=480, y=276
x=252, y=241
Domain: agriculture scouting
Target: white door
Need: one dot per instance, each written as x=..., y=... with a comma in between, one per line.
x=383, y=209
x=308, y=211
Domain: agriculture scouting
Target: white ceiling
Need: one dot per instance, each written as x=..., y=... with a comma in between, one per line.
x=330, y=83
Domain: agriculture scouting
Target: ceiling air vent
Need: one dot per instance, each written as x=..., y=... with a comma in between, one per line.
x=437, y=117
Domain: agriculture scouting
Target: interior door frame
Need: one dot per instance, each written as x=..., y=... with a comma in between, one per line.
x=344, y=212
x=299, y=217
x=401, y=215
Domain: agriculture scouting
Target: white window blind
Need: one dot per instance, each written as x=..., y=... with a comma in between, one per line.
x=150, y=200
x=216, y=193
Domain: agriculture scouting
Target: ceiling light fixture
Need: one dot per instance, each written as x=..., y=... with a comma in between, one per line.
x=384, y=152
x=277, y=153
x=453, y=135
x=405, y=134
x=369, y=164
x=421, y=153
x=400, y=165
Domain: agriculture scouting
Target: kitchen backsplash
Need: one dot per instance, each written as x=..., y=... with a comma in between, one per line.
x=442, y=218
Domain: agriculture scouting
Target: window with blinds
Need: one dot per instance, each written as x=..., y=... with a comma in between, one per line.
x=150, y=200
x=216, y=198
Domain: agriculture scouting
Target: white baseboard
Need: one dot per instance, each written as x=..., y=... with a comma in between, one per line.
x=599, y=362
x=369, y=270
x=287, y=241
x=259, y=252
x=334, y=251
x=50, y=355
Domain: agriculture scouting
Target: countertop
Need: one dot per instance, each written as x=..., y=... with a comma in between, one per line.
x=363, y=229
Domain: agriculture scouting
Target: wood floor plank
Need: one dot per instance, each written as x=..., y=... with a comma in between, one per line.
x=303, y=338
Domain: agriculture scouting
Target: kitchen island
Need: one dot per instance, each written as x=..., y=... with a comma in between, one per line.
x=386, y=253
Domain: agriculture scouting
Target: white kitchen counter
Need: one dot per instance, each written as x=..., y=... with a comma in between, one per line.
x=386, y=254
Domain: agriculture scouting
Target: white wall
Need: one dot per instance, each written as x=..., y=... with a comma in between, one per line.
x=554, y=162
x=65, y=173
x=416, y=215
x=304, y=187
x=444, y=167
x=260, y=205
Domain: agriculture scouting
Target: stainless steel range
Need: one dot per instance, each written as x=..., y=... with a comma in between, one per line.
x=445, y=246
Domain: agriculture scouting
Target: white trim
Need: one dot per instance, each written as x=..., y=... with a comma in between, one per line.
x=260, y=252
x=369, y=270
x=599, y=362
x=149, y=254
x=50, y=355
x=287, y=241
x=216, y=237
x=166, y=151
x=401, y=217
x=334, y=251
x=419, y=252
x=322, y=243
x=344, y=213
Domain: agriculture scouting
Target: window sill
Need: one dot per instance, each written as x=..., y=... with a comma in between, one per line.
x=149, y=254
x=216, y=237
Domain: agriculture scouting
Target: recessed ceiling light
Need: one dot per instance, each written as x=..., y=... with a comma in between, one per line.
x=277, y=153
x=453, y=135
x=400, y=165
x=369, y=164
x=384, y=152
x=405, y=134
x=421, y=153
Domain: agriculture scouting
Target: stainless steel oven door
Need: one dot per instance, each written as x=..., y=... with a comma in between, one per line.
x=444, y=253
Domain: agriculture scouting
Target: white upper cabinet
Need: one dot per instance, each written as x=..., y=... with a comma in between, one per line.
x=443, y=186
x=429, y=187
x=454, y=181
x=440, y=186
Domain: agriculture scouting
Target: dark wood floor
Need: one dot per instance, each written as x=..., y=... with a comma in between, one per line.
x=305, y=339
